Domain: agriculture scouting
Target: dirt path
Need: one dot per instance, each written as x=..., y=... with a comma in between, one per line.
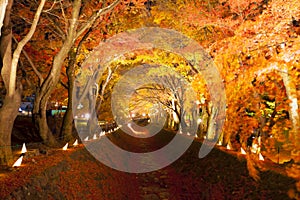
x=76, y=174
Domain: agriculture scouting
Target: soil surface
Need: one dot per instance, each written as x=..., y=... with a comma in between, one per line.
x=76, y=174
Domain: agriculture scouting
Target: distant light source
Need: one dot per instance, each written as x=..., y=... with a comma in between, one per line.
x=75, y=143
x=18, y=162
x=87, y=115
x=199, y=121
x=243, y=151
x=228, y=146
x=86, y=139
x=220, y=143
x=94, y=137
x=24, y=150
x=65, y=147
x=260, y=157
x=102, y=133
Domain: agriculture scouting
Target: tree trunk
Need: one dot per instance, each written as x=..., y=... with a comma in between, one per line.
x=67, y=125
x=8, y=114
x=3, y=4
x=40, y=119
x=9, y=110
x=44, y=92
x=211, y=131
x=291, y=93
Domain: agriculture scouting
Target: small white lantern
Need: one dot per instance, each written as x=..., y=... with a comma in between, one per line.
x=18, y=162
x=65, y=147
x=243, y=151
x=75, y=143
x=24, y=150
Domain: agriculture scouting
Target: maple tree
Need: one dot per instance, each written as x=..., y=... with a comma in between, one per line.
x=60, y=45
x=260, y=68
x=13, y=89
x=254, y=44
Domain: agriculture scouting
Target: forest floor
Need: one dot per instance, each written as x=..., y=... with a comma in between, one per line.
x=76, y=174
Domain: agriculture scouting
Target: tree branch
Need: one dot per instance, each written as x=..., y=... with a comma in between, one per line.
x=95, y=16
x=21, y=44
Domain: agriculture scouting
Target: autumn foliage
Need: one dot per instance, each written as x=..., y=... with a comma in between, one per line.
x=255, y=45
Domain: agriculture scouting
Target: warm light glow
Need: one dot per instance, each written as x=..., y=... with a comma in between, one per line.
x=86, y=139
x=102, y=133
x=199, y=121
x=134, y=131
x=188, y=134
x=65, y=147
x=87, y=115
x=261, y=157
x=75, y=143
x=220, y=143
x=254, y=148
x=243, y=151
x=94, y=137
x=228, y=147
x=18, y=162
x=24, y=150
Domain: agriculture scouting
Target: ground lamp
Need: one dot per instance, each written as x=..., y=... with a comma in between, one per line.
x=18, y=162
x=65, y=147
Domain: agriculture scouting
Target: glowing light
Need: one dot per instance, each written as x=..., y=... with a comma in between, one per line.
x=18, y=162
x=243, y=151
x=144, y=114
x=24, y=150
x=199, y=121
x=260, y=157
x=87, y=115
x=188, y=134
x=65, y=147
x=228, y=146
x=87, y=138
x=254, y=148
x=102, y=133
x=94, y=137
x=220, y=143
x=75, y=143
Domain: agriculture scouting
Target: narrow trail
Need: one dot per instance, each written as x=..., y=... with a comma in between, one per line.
x=76, y=174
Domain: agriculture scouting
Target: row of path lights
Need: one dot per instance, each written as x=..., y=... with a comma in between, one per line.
x=18, y=162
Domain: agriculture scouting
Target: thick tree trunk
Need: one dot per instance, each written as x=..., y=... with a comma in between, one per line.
x=40, y=120
x=8, y=114
x=3, y=4
x=67, y=125
x=9, y=110
x=39, y=111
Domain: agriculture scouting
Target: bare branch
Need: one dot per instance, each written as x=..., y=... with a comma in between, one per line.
x=21, y=44
x=95, y=16
x=36, y=71
x=58, y=31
